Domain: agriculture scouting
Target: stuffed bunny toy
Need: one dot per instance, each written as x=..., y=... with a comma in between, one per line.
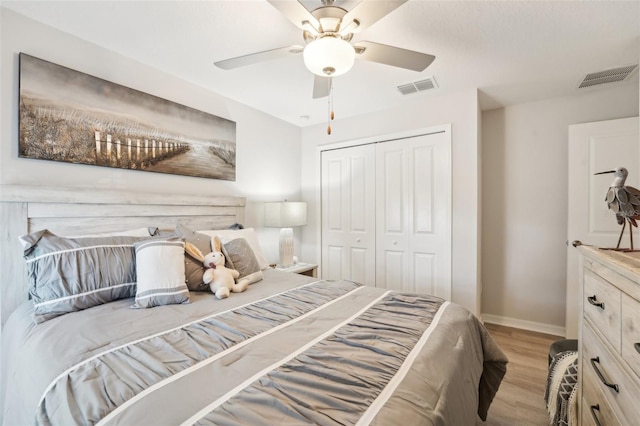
x=221, y=280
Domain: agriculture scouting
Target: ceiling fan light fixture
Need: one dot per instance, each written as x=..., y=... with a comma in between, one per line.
x=329, y=56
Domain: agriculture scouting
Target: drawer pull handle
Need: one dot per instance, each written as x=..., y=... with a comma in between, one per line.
x=594, y=301
x=595, y=408
x=613, y=386
x=637, y=346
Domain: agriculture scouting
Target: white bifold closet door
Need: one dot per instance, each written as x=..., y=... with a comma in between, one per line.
x=386, y=214
x=348, y=214
x=413, y=215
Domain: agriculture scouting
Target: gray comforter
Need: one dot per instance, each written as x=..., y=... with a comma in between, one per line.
x=281, y=353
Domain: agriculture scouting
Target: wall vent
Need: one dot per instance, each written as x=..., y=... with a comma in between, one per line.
x=418, y=86
x=608, y=76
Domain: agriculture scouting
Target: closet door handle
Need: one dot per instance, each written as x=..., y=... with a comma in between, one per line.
x=637, y=346
x=613, y=386
x=594, y=301
x=593, y=409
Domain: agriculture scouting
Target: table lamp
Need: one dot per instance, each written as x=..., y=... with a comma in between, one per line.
x=285, y=215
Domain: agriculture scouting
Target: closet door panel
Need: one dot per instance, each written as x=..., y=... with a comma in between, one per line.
x=358, y=193
x=424, y=271
x=392, y=185
x=333, y=216
x=335, y=258
x=360, y=269
x=394, y=270
x=392, y=195
x=413, y=215
x=348, y=227
x=423, y=192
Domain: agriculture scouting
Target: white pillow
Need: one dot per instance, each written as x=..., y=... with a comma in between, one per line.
x=248, y=234
x=160, y=273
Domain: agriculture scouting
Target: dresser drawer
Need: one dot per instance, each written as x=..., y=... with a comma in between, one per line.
x=602, y=306
x=600, y=361
x=631, y=332
x=595, y=407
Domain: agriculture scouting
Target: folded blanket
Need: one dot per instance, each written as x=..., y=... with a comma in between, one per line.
x=560, y=392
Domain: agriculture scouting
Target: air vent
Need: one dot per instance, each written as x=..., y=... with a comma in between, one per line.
x=608, y=76
x=418, y=86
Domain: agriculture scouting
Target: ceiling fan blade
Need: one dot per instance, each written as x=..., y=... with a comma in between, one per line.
x=394, y=56
x=296, y=13
x=254, y=58
x=369, y=12
x=320, y=86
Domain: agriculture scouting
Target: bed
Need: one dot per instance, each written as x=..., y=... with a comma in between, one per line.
x=290, y=350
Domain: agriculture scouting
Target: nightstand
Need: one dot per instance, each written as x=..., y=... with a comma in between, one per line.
x=308, y=269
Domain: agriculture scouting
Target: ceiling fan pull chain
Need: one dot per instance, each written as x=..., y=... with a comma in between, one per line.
x=330, y=105
x=331, y=115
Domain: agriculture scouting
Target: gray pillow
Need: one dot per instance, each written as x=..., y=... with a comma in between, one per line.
x=240, y=256
x=71, y=274
x=193, y=268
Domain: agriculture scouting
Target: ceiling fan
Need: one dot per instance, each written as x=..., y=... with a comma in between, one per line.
x=328, y=31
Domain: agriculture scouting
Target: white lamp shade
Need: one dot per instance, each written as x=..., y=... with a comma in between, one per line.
x=285, y=215
x=329, y=56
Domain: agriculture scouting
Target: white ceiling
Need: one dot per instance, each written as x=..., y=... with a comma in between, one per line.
x=513, y=51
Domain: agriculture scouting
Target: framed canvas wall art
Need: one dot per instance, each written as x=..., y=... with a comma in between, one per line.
x=70, y=116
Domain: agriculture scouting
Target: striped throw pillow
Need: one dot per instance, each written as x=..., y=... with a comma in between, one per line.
x=71, y=274
x=160, y=273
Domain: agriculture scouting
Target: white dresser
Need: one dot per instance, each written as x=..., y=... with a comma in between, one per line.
x=609, y=349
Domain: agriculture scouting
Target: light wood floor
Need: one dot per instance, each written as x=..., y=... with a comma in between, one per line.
x=520, y=399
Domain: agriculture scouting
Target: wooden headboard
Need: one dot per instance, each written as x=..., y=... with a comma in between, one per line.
x=72, y=211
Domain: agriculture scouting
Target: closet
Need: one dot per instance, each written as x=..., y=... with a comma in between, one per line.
x=386, y=213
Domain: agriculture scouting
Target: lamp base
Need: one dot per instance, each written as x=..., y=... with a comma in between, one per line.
x=286, y=247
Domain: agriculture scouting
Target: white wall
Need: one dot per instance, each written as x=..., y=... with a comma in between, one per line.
x=523, y=222
x=262, y=140
x=459, y=109
x=524, y=204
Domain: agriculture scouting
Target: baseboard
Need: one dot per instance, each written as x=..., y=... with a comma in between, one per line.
x=523, y=324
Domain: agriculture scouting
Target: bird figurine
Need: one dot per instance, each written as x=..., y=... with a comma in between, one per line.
x=624, y=202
